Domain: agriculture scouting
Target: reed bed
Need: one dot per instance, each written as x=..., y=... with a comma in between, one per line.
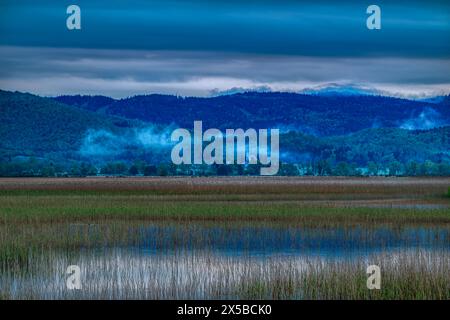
x=264, y=198
x=103, y=209
x=234, y=260
x=373, y=187
x=227, y=238
x=204, y=275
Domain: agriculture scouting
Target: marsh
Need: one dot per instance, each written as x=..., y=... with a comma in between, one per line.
x=210, y=238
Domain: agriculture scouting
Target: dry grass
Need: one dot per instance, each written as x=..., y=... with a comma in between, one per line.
x=374, y=187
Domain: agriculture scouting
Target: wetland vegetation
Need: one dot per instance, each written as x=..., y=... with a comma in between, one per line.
x=229, y=238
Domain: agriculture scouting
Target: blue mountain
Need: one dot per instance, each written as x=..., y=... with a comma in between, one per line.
x=321, y=115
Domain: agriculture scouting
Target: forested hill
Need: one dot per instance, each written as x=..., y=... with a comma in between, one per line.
x=379, y=145
x=42, y=125
x=331, y=130
x=314, y=114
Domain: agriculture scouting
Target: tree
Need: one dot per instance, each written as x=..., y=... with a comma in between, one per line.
x=444, y=169
x=395, y=168
x=140, y=165
x=74, y=170
x=150, y=170
x=222, y=169
x=431, y=168
x=162, y=170
x=342, y=169
x=324, y=167
x=288, y=169
x=48, y=171
x=412, y=168
x=114, y=168
x=253, y=169
x=120, y=168
x=87, y=170
x=240, y=170
x=372, y=168
x=133, y=170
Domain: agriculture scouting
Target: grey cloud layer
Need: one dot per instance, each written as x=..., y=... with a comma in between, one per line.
x=118, y=73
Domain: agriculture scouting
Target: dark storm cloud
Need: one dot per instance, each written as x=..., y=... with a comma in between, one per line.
x=52, y=71
x=306, y=28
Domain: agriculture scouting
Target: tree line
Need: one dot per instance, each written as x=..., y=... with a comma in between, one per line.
x=33, y=168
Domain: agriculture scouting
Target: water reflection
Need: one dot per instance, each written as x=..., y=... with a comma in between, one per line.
x=234, y=261
x=254, y=240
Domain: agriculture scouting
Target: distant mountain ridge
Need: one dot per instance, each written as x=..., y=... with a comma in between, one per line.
x=320, y=115
x=334, y=89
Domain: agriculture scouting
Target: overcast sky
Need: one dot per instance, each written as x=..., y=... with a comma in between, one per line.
x=198, y=47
